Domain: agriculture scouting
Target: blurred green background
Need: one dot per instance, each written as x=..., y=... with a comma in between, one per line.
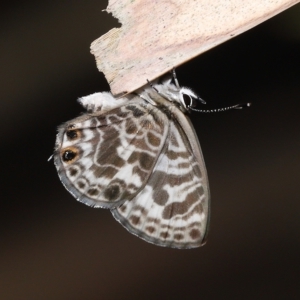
x=53, y=247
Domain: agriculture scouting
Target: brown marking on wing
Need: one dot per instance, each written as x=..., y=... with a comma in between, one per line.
x=195, y=234
x=180, y=208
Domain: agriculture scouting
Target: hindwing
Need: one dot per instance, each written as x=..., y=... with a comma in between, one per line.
x=105, y=158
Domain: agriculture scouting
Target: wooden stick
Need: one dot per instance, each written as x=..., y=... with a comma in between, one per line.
x=158, y=35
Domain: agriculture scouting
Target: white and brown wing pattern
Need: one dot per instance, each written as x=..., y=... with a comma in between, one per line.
x=141, y=158
x=173, y=208
x=105, y=158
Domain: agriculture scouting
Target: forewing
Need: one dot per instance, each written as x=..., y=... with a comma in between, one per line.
x=172, y=210
x=105, y=158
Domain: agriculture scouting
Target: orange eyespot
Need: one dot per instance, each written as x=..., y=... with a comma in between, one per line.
x=69, y=154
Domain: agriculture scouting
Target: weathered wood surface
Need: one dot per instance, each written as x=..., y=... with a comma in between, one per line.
x=157, y=35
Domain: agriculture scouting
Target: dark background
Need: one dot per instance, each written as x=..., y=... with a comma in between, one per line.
x=53, y=247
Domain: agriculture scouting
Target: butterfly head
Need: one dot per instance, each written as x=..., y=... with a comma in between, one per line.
x=183, y=96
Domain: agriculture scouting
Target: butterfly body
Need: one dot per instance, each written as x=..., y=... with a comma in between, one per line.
x=139, y=156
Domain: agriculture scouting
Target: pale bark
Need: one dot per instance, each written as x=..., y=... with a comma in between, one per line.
x=157, y=36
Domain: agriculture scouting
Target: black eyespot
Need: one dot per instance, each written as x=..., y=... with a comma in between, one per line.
x=69, y=155
x=187, y=100
x=72, y=134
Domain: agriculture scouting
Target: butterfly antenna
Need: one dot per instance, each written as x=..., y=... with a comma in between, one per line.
x=237, y=106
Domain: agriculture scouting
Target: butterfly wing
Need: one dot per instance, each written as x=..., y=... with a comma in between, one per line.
x=173, y=208
x=104, y=158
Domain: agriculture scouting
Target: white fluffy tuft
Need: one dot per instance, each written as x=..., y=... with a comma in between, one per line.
x=103, y=101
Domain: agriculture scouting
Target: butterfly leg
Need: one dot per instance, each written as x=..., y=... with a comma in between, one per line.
x=175, y=78
x=152, y=86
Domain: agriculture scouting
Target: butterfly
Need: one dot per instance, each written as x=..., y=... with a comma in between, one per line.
x=140, y=157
